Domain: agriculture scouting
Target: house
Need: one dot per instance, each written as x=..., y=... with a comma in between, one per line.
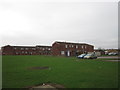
x=70, y=49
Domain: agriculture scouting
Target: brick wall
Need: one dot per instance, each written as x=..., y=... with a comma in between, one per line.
x=26, y=50
x=57, y=49
x=70, y=49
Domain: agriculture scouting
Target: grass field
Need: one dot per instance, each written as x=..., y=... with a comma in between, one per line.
x=67, y=71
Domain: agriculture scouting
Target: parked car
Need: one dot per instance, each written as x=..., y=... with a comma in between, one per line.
x=90, y=56
x=112, y=53
x=81, y=56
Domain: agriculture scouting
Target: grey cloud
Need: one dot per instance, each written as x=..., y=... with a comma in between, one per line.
x=43, y=23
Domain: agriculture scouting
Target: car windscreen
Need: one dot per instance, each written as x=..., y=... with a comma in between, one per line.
x=89, y=55
x=82, y=54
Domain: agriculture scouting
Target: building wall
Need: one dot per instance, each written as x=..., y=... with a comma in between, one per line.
x=26, y=50
x=102, y=52
x=70, y=49
x=18, y=50
x=43, y=50
x=7, y=50
x=112, y=50
x=57, y=49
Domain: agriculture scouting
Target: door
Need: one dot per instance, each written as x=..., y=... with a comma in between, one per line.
x=68, y=53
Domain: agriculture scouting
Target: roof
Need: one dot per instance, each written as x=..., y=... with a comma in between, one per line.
x=72, y=43
x=43, y=46
x=26, y=46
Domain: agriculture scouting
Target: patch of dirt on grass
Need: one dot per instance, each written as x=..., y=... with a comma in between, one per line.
x=39, y=68
x=46, y=86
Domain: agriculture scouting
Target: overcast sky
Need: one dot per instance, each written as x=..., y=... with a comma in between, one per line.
x=33, y=22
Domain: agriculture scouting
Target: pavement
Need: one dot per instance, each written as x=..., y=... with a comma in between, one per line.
x=113, y=57
x=111, y=60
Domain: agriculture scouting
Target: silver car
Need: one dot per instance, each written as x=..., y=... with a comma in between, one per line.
x=90, y=56
x=81, y=56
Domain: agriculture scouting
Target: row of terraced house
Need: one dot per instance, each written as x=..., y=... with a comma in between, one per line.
x=57, y=49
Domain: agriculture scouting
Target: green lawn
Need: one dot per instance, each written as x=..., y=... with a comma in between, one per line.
x=67, y=71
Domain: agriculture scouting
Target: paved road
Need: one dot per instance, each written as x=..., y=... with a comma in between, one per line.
x=111, y=60
x=113, y=57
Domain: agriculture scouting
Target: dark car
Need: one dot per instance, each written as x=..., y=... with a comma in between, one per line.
x=90, y=56
x=81, y=56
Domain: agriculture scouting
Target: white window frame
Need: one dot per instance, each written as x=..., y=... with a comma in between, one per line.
x=33, y=48
x=72, y=45
x=22, y=48
x=62, y=52
x=82, y=47
x=49, y=48
x=66, y=46
x=76, y=46
x=26, y=48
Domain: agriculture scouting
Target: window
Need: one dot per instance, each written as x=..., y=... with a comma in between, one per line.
x=33, y=48
x=66, y=46
x=22, y=51
x=62, y=52
x=43, y=48
x=49, y=48
x=37, y=47
x=22, y=48
x=26, y=52
x=26, y=48
x=82, y=46
x=76, y=46
x=72, y=46
x=85, y=47
x=15, y=48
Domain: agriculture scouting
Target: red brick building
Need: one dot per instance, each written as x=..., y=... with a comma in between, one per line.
x=26, y=50
x=70, y=49
x=44, y=50
x=57, y=49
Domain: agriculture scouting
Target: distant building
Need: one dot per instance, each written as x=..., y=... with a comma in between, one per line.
x=57, y=49
x=107, y=51
x=26, y=50
x=70, y=49
x=99, y=52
